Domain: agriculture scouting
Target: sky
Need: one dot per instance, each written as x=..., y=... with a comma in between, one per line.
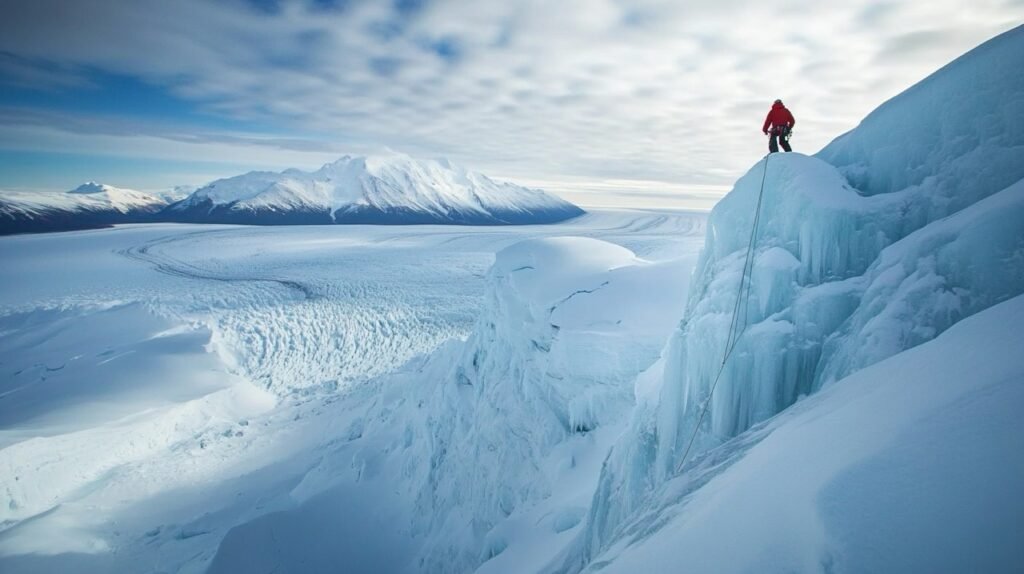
x=604, y=101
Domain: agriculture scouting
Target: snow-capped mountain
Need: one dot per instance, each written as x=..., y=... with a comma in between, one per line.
x=393, y=189
x=98, y=197
x=88, y=205
x=176, y=193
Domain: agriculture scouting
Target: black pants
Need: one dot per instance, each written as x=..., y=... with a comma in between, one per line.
x=779, y=135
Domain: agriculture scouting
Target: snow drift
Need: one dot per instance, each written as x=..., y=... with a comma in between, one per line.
x=393, y=189
x=894, y=233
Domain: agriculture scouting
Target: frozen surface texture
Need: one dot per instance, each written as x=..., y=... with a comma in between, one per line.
x=892, y=234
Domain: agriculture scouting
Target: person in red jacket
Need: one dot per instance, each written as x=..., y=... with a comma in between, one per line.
x=780, y=122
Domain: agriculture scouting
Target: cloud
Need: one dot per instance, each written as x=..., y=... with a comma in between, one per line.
x=649, y=89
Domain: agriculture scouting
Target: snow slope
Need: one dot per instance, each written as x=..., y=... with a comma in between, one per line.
x=89, y=205
x=392, y=189
x=842, y=278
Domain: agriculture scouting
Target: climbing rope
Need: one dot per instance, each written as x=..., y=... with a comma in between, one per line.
x=730, y=342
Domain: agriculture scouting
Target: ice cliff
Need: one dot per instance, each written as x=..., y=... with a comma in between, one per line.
x=893, y=233
x=567, y=325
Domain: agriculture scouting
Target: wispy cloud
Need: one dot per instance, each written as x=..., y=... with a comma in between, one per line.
x=604, y=89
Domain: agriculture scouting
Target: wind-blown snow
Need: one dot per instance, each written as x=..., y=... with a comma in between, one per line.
x=382, y=189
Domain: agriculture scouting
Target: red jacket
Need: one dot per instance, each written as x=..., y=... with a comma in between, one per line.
x=777, y=117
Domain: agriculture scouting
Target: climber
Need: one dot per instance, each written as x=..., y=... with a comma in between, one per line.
x=780, y=121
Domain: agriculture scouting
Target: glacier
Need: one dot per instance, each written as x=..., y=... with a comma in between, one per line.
x=301, y=436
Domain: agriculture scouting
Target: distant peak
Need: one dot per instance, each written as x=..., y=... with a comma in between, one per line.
x=340, y=161
x=381, y=160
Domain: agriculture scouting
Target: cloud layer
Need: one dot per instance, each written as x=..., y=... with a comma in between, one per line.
x=601, y=89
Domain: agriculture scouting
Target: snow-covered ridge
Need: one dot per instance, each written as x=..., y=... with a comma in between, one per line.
x=898, y=230
x=176, y=193
x=89, y=196
x=383, y=189
x=88, y=205
x=123, y=200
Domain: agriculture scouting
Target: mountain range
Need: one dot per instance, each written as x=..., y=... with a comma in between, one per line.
x=391, y=190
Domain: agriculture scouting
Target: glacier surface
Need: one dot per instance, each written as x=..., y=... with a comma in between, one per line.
x=239, y=388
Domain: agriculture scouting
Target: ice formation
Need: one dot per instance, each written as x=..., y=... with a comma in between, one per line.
x=567, y=325
x=893, y=233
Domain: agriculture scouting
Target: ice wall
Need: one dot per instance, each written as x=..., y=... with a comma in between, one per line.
x=567, y=325
x=896, y=231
